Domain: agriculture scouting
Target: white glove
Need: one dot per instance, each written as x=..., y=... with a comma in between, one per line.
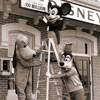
x=59, y=72
x=48, y=74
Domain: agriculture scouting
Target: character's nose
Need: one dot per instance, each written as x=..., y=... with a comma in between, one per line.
x=34, y=55
x=24, y=46
x=61, y=63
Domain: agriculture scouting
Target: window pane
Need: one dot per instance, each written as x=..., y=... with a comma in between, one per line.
x=78, y=45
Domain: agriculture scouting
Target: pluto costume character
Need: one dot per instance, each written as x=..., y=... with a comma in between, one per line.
x=54, y=18
x=70, y=76
x=23, y=67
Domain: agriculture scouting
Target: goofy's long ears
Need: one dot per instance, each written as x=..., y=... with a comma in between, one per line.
x=14, y=58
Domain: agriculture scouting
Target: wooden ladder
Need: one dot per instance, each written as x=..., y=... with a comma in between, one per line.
x=49, y=67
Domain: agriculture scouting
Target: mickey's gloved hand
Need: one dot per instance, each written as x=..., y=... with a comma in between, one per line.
x=59, y=73
x=48, y=74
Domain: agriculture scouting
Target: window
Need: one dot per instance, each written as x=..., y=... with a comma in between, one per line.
x=84, y=69
x=79, y=45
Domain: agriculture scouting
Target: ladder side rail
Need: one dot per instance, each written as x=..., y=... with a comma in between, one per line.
x=55, y=82
x=38, y=77
x=48, y=70
x=48, y=50
x=55, y=49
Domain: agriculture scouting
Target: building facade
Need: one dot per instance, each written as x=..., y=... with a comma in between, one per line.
x=81, y=28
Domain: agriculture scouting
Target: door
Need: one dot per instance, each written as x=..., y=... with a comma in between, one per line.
x=83, y=64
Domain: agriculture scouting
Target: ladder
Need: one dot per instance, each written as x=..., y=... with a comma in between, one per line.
x=51, y=43
x=55, y=82
x=48, y=50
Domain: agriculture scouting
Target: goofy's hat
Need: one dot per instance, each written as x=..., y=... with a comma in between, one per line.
x=68, y=48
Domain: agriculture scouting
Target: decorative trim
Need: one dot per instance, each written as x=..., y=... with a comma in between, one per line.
x=78, y=33
x=21, y=26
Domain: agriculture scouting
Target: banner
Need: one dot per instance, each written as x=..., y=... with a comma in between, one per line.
x=38, y=5
x=84, y=14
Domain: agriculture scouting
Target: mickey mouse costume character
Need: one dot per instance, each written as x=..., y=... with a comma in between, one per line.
x=54, y=17
x=69, y=75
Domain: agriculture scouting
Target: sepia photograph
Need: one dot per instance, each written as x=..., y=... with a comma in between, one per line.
x=49, y=49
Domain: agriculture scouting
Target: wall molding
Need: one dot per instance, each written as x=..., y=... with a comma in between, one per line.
x=21, y=26
x=83, y=35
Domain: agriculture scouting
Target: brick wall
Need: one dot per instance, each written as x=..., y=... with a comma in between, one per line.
x=96, y=71
x=3, y=87
x=3, y=80
x=3, y=52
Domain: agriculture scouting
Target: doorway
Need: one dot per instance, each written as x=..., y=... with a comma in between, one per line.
x=83, y=64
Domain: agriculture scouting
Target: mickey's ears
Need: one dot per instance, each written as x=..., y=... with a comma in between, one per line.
x=65, y=9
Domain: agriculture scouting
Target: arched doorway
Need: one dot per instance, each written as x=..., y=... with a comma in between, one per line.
x=9, y=34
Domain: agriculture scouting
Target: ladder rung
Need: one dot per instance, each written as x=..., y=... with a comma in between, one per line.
x=51, y=81
x=59, y=85
x=45, y=81
x=62, y=95
x=47, y=51
x=42, y=81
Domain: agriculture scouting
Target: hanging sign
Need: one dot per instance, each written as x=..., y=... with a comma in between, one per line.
x=38, y=5
x=84, y=14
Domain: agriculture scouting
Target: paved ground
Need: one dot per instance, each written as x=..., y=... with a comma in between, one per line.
x=13, y=96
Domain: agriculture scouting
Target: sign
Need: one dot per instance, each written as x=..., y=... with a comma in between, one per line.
x=84, y=14
x=78, y=12
x=38, y=5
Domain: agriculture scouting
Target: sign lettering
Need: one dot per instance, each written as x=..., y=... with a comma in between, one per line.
x=38, y=5
x=84, y=14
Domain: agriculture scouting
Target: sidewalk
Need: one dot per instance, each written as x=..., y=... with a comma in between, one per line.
x=12, y=95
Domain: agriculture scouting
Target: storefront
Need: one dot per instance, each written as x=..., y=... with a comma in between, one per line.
x=81, y=28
